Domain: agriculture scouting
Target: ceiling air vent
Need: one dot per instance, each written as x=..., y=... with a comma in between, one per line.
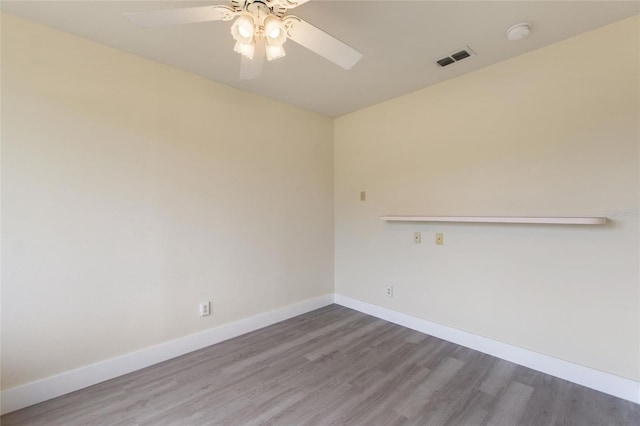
x=457, y=56
x=445, y=61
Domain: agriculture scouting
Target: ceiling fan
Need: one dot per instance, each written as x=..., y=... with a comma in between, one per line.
x=261, y=27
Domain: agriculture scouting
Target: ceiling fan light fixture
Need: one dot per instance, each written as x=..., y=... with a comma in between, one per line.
x=257, y=24
x=274, y=52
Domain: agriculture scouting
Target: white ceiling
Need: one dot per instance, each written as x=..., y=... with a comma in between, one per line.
x=400, y=41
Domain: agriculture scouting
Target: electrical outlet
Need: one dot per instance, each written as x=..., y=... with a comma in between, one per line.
x=417, y=237
x=439, y=239
x=205, y=309
x=363, y=196
x=389, y=291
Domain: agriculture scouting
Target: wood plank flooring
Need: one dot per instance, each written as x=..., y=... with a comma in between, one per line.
x=333, y=366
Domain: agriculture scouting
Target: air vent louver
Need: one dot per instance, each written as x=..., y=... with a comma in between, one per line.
x=463, y=53
x=445, y=61
x=460, y=55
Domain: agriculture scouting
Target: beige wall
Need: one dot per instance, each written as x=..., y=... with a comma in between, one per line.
x=132, y=191
x=554, y=132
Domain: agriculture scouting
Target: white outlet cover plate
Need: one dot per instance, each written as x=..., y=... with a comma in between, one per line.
x=204, y=309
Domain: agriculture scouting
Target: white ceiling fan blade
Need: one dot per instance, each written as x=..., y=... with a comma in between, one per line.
x=187, y=15
x=251, y=69
x=325, y=45
x=290, y=4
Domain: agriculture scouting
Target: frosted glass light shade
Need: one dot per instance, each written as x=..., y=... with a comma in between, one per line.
x=274, y=31
x=245, y=49
x=243, y=29
x=274, y=52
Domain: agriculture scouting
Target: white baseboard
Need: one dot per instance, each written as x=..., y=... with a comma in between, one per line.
x=32, y=393
x=70, y=381
x=585, y=376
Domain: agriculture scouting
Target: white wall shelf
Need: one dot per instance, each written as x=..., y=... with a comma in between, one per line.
x=499, y=219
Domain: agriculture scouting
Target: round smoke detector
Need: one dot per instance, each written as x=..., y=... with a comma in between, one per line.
x=518, y=31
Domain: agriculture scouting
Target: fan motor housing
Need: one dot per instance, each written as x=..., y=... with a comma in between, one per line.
x=254, y=6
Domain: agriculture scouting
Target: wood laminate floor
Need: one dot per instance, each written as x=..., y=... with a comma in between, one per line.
x=333, y=366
